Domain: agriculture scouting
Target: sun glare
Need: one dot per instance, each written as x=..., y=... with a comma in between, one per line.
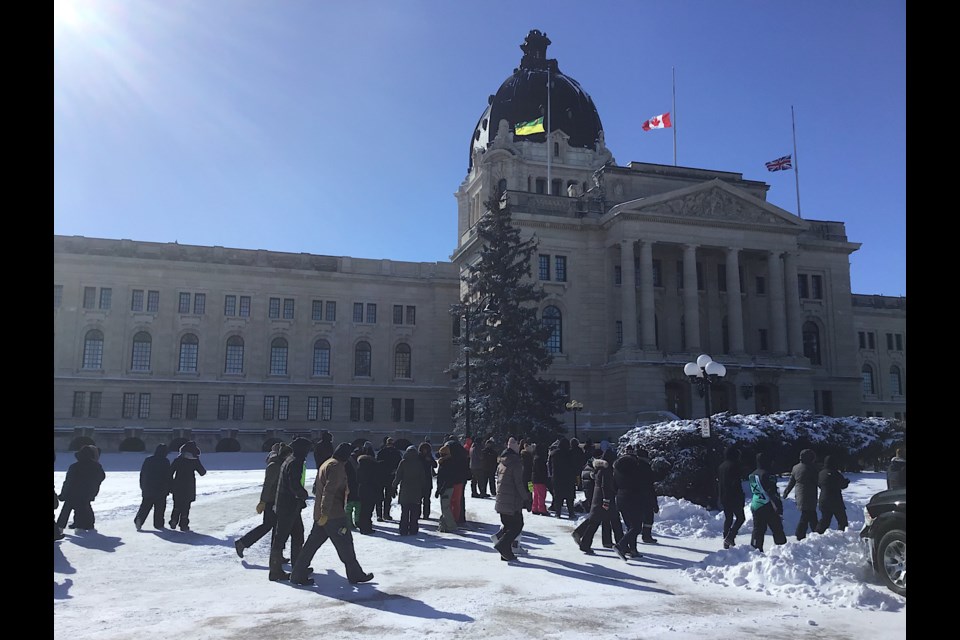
x=66, y=13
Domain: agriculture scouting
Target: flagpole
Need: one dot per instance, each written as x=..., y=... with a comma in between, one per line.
x=549, y=146
x=796, y=159
x=674, y=116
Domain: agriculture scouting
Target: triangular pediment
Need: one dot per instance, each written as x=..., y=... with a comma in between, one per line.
x=714, y=201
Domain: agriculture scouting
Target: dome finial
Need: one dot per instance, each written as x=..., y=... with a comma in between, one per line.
x=534, y=49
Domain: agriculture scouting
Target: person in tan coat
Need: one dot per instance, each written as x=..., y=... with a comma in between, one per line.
x=330, y=521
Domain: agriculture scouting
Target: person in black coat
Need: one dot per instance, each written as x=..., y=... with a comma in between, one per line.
x=388, y=458
x=268, y=494
x=626, y=476
x=730, y=495
x=490, y=457
x=560, y=464
x=80, y=487
x=831, y=483
x=290, y=501
x=154, y=487
x=183, y=484
x=429, y=467
x=803, y=476
x=579, y=458
x=897, y=470
x=461, y=462
x=323, y=449
x=447, y=478
x=603, y=500
x=370, y=486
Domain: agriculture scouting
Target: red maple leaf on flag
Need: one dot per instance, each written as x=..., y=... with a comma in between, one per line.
x=655, y=122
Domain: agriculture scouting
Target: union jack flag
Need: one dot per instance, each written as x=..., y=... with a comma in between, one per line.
x=780, y=164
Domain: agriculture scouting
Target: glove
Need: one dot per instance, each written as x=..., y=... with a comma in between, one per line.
x=261, y=506
x=303, y=504
x=606, y=504
x=322, y=520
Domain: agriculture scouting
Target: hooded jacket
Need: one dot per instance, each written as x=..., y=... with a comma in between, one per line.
x=183, y=473
x=291, y=495
x=729, y=481
x=331, y=490
x=411, y=478
x=831, y=483
x=803, y=476
x=539, y=472
x=446, y=470
x=83, y=479
x=560, y=469
x=155, y=474
x=512, y=491
x=368, y=475
x=604, y=485
x=268, y=494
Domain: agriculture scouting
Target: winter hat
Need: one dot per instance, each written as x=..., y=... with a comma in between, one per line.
x=284, y=451
x=325, y=435
x=301, y=447
x=367, y=449
x=190, y=447
x=807, y=456
x=830, y=462
x=445, y=450
x=762, y=460
x=610, y=455
x=342, y=452
x=513, y=445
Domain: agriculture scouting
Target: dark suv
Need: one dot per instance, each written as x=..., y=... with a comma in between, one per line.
x=885, y=535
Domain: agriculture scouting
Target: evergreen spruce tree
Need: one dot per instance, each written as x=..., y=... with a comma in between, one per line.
x=505, y=337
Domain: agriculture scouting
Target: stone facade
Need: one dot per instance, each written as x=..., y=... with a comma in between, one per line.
x=880, y=326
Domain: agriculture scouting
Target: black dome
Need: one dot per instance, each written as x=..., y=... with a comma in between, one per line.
x=523, y=97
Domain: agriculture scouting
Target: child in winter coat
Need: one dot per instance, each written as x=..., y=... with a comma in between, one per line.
x=80, y=487
x=832, y=483
x=183, y=484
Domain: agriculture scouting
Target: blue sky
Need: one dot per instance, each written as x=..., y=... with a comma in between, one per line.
x=343, y=128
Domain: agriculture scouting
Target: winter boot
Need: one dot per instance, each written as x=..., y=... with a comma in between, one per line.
x=239, y=547
x=647, y=536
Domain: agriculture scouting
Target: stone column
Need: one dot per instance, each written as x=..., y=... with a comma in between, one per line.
x=778, y=317
x=691, y=297
x=648, y=337
x=734, y=301
x=794, y=319
x=628, y=293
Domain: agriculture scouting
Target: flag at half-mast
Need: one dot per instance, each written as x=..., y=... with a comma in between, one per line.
x=661, y=121
x=781, y=164
x=527, y=128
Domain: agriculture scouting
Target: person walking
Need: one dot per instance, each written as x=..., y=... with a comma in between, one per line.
x=649, y=506
x=368, y=482
x=446, y=480
x=290, y=501
x=268, y=495
x=803, y=476
x=564, y=479
x=478, y=478
x=897, y=470
x=183, y=483
x=323, y=449
x=626, y=477
x=353, y=483
x=602, y=501
x=330, y=522
x=538, y=477
x=80, y=487
x=429, y=467
x=731, y=495
x=388, y=458
x=154, y=488
x=512, y=494
x=765, y=504
x=408, y=484
x=832, y=483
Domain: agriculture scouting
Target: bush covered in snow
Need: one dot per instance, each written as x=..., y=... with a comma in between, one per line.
x=686, y=462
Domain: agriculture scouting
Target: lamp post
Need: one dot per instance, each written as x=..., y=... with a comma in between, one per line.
x=704, y=373
x=576, y=406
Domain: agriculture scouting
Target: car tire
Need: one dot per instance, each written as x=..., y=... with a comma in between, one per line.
x=892, y=561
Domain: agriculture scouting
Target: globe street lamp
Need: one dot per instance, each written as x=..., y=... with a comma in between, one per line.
x=576, y=406
x=704, y=373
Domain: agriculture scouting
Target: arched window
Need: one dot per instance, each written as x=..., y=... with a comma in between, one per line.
x=502, y=184
x=93, y=350
x=867, y=375
x=321, y=358
x=811, y=342
x=233, y=362
x=896, y=382
x=140, y=356
x=189, y=350
x=361, y=360
x=552, y=319
x=401, y=362
x=278, y=357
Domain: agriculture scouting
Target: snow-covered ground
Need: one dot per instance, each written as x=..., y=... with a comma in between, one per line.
x=121, y=583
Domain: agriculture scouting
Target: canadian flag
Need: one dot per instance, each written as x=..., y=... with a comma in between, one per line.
x=661, y=121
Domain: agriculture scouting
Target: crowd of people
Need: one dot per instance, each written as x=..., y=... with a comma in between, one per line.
x=354, y=482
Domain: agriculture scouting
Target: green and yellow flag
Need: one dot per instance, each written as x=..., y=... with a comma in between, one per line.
x=526, y=128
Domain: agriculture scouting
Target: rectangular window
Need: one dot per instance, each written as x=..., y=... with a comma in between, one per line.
x=274, y=309
x=268, y=407
x=106, y=296
x=238, y=402
x=721, y=277
x=396, y=406
x=153, y=301
x=371, y=313
x=411, y=314
x=144, y=411
x=544, y=266
x=761, y=286
x=617, y=274
x=541, y=185
x=326, y=408
x=564, y=388
x=889, y=342
x=700, y=286
x=57, y=295
x=862, y=336
x=657, y=274
x=230, y=305
x=184, y=306
x=619, y=332
x=288, y=308
x=358, y=312
x=331, y=311
x=89, y=297
x=871, y=340
x=763, y=339
x=803, y=286
x=244, y=306
x=816, y=287
x=560, y=268
x=129, y=405
x=313, y=405
x=408, y=410
x=354, y=409
x=283, y=407
x=95, y=397
x=899, y=339
x=79, y=402
x=176, y=406
x=398, y=314
x=368, y=409
x=193, y=400
x=136, y=300
x=199, y=303
x=316, y=312
x=679, y=274
x=223, y=407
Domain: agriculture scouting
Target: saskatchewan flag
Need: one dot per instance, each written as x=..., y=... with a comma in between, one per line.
x=526, y=128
